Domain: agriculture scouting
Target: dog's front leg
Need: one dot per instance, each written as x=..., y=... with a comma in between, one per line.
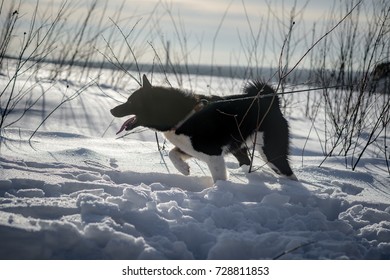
x=178, y=158
x=217, y=167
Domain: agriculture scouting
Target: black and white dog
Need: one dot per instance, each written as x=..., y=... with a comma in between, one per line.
x=208, y=127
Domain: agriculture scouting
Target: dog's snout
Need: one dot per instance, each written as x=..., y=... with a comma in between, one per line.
x=115, y=112
x=120, y=111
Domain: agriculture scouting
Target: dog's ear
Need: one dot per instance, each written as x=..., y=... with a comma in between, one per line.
x=145, y=82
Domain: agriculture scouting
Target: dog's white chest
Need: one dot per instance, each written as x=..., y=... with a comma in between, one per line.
x=181, y=141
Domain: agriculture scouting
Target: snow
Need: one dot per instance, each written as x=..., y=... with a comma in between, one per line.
x=76, y=191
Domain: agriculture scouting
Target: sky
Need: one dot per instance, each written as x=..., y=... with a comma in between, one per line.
x=221, y=32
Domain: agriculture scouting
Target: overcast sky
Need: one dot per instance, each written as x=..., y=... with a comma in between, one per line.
x=200, y=31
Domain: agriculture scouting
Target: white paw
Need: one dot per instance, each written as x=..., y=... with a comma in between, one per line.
x=182, y=167
x=177, y=157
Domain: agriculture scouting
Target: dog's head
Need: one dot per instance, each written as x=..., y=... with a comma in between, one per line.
x=135, y=106
x=136, y=102
x=157, y=108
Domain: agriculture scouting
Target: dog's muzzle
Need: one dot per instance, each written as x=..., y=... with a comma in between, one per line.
x=128, y=124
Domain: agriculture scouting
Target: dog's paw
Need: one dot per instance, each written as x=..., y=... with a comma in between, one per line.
x=182, y=167
x=177, y=157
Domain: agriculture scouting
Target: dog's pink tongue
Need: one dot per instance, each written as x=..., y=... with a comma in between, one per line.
x=126, y=124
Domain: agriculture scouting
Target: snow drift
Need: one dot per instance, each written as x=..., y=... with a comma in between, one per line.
x=76, y=192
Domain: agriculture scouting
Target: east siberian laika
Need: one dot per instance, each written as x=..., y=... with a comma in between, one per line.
x=208, y=127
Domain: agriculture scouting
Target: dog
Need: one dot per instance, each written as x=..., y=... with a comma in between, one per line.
x=208, y=127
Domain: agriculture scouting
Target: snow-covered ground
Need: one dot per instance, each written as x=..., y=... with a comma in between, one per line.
x=76, y=191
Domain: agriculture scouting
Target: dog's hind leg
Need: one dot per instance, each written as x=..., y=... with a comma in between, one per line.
x=178, y=158
x=217, y=167
x=242, y=156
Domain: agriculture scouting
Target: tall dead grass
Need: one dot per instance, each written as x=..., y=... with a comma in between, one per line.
x=352, y=108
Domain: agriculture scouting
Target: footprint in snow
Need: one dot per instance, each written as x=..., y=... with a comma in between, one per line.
x=113, y=163
x=347, y=187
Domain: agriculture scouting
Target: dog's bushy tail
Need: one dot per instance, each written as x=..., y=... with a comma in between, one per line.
x=258, y=87
x=275, y=149
x=266, y=92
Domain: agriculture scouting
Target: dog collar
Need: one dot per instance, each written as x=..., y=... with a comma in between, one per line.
x=198, y=106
